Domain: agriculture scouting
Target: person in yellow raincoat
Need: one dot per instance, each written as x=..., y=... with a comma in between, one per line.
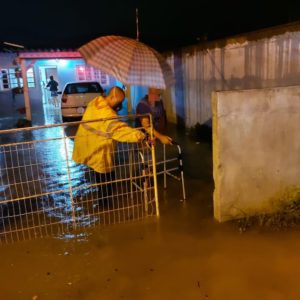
x=94, y=141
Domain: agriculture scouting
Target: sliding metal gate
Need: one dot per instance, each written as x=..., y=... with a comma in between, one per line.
x=44, y=192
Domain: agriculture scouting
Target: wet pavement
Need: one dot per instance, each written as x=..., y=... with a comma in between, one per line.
x=183, y=254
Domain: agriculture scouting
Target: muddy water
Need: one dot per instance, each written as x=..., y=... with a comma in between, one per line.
x=182, y=255
x=177, y=257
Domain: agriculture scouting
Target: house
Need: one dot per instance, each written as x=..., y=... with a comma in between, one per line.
x=35, y=67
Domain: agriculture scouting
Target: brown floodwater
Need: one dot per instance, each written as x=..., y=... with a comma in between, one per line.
x=183, y=254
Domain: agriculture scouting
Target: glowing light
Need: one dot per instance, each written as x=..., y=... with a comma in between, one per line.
x=81, y=69
x=62, y=62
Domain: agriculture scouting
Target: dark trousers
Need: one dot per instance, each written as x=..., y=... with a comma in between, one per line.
x=105, y=190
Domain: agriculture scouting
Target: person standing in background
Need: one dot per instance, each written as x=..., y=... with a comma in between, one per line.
x=53, y=88
x=152, y=104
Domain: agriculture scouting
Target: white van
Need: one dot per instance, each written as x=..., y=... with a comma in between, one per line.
x=76, y=96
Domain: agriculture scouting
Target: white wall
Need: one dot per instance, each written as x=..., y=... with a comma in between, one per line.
x=256, y=151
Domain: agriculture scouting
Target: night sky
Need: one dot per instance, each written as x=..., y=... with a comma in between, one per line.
x=164, y=24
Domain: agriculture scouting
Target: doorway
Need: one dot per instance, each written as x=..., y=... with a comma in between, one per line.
x=45, y=73
x=50, y=112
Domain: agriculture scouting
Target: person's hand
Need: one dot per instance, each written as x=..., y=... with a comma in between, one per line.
x=150, y=142
x=165, y=140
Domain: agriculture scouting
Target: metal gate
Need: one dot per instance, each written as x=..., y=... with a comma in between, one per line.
x=44, y=192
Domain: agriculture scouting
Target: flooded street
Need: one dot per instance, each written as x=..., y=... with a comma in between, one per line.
x=183, y=254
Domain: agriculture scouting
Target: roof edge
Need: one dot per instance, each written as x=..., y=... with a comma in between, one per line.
x=241, y=38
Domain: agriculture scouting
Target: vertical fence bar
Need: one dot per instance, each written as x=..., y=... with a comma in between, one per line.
x=69, y=179
x=165, y=166
x=154, y=168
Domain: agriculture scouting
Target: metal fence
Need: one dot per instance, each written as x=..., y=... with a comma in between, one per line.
x=44, y=192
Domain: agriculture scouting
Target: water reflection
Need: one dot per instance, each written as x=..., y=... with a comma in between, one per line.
x=51, y=114
x=79, y=237
x=64, y=178
x=39, y=180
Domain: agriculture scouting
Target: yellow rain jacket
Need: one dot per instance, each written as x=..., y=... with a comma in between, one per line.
x=94, y=141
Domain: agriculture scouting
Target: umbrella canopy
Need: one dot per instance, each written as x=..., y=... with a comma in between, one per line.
x=129, y=61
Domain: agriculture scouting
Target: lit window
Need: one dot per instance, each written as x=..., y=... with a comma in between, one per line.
x=15, y=78
x=12, y=78
x=30, y=78
x=90, y=73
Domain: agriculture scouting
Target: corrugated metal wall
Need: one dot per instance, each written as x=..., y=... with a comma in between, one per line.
x=239, y=64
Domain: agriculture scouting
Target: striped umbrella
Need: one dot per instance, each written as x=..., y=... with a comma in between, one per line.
x=129, y=61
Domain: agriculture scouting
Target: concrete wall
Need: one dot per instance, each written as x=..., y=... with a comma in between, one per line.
x=256, y=150
x=262, y=59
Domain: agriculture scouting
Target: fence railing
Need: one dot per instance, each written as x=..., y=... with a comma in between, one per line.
x=44, y=192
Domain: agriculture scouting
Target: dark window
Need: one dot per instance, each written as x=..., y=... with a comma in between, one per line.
x=5, y=81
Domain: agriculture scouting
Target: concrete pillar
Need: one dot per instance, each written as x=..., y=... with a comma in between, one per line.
x=26, y=90
x=256, y=155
